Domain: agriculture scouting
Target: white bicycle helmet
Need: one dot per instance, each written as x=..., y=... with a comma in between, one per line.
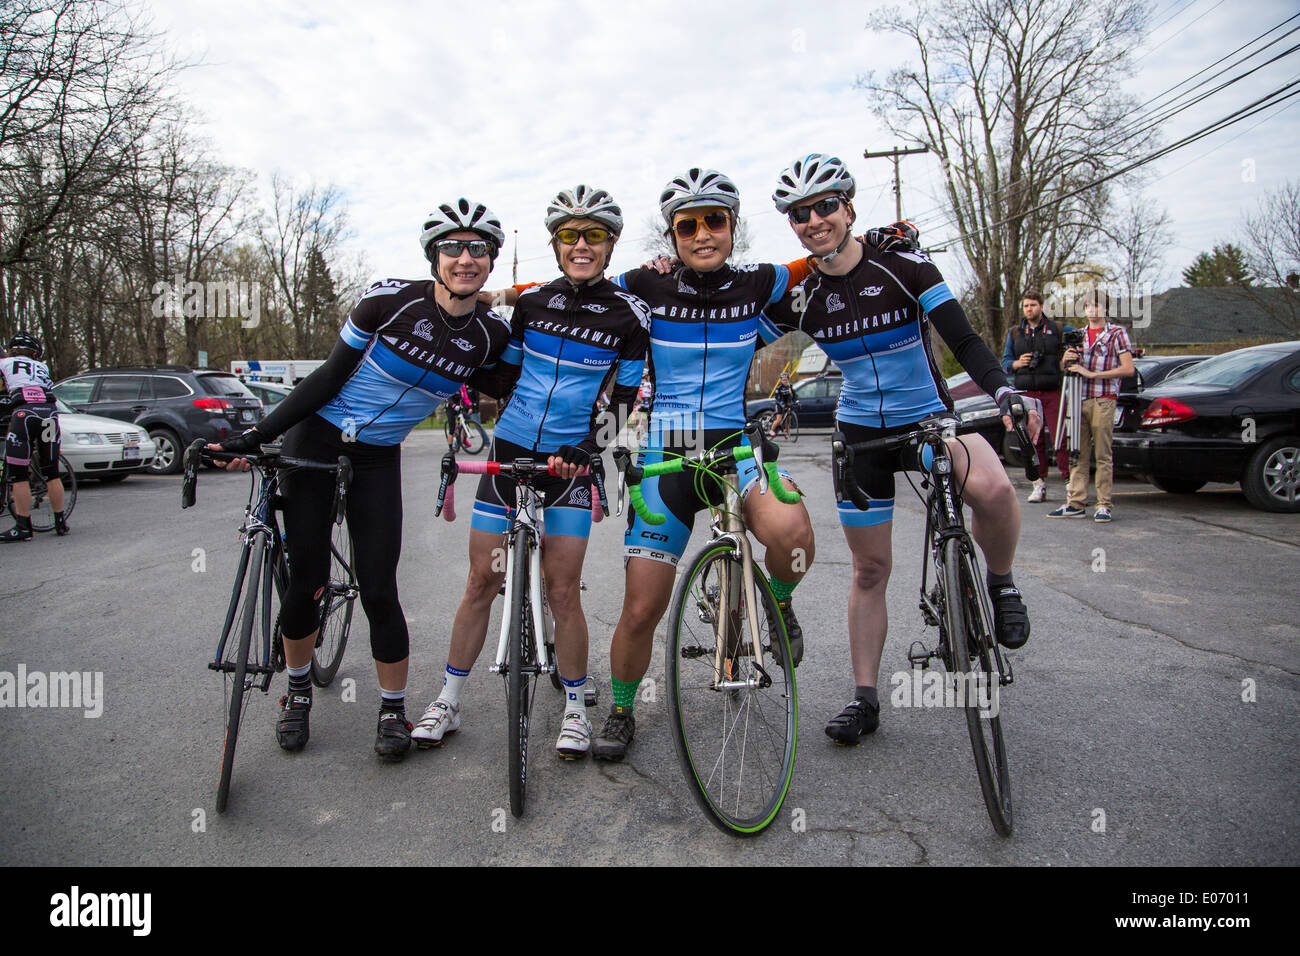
x=584, y=202
x=459, y=216
x=816, y=173
x=698, y=187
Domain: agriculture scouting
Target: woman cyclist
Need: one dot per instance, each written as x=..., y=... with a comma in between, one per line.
x=568, y=338
x=33, y=431
x=870, y=309
x=405, y=347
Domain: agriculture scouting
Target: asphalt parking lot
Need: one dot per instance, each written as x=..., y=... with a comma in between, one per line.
x=1153, y=719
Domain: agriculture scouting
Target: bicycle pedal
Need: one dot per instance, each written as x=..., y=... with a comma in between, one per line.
x=919, y=659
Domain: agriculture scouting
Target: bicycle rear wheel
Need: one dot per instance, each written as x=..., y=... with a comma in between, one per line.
x=42, y=511
x=519, y=658
x=474, y=437
x=335, y=610
x=793, y=427
x=238, y=682
x=736, y=745
x=970, y=634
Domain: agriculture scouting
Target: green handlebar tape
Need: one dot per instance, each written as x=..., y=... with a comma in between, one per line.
x=661, y=468
x=774, y=483
x=638, y=502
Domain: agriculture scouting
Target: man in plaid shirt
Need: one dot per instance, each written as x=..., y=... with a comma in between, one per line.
x=1105, y=358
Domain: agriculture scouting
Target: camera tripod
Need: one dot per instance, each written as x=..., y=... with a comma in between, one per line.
x=1068, y=415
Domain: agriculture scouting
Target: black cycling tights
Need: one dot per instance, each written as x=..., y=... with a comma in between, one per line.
x=374, y=522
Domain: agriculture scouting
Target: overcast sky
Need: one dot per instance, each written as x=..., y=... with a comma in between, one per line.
x=405, y=105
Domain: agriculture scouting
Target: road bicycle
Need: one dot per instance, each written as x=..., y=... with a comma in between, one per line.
x=264, y=567
x=463, y=434
x=789, y=424
x=42, y=512
x=733, y=707
x=526, y=646
x=957, y=602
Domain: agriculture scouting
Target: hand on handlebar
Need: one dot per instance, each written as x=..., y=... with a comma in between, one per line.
x=235, y=464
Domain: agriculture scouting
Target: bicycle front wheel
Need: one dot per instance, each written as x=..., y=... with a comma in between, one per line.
x=970, y=636
x=335, y=610
x=238, y=682
x=520, y=656
x=735, y=742
x=474, y=437
x=42, y=510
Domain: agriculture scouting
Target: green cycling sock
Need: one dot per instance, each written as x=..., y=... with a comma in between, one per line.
x=781, y=589
x=624, y=692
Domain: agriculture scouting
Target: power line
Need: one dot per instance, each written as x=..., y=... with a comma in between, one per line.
x=1129, y=131
x=1236, y=116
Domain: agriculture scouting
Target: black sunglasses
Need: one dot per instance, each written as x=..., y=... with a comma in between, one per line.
x=478, y=248
x=823, y=207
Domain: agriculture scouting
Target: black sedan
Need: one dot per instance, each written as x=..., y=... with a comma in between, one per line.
x=1234, y=417
x=817, y=397
x=1151, y=371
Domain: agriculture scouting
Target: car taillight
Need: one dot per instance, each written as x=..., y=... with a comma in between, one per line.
x=1166, y=411
x=213, y=404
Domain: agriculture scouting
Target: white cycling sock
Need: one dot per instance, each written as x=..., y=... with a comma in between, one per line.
x=452, y=681
x=575, y=696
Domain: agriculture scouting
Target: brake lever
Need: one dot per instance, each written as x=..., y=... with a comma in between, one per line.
x=449, y=472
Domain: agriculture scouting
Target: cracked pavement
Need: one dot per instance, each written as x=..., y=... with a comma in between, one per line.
x=1129, y=739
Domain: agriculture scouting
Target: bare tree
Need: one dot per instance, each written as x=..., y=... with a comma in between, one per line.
x=1141, y=237
x=1272, y=247
x=305, y=226
x=1020, y=101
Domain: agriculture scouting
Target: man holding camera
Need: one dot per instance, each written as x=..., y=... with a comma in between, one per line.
x=1032, y=357
x=1103, y=357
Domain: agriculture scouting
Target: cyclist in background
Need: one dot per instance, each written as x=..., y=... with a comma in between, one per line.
x=405, y=347
x=33, y=431
x=569, y=338
x=785, y=400
x=871, y=311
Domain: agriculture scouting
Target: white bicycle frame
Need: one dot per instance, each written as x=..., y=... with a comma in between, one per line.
x=529, y=520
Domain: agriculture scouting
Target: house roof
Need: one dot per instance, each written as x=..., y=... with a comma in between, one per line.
x=1208, y=316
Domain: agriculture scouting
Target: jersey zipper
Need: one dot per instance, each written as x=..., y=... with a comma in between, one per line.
x=569, y=314
x=704, y=370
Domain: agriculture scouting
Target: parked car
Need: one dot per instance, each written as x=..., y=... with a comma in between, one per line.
x=102, y=448
x=1151, y=371
x=1233, y=417
x=175, y=404
x=972, y=405
x=269, y=393
x=818, y=398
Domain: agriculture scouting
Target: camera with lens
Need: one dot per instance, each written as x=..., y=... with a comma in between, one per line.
x=1072, y=339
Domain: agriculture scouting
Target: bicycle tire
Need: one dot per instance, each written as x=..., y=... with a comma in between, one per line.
x=42, y=513
x=962, y=610
x=335, y=610
x=694, y=706
x=793, y=429
x=475, y=439
x=518, y=654
x=238, y=687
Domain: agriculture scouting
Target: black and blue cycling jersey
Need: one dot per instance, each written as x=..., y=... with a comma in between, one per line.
x=414, y=356
x=704, y=329
x=874, y=323
x=570, y=343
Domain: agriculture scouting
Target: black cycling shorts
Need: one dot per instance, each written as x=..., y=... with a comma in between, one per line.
x=567, y=501
x=33, y=430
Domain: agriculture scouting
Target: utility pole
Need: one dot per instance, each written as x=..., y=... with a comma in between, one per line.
x=514, y=272
x=896, y=154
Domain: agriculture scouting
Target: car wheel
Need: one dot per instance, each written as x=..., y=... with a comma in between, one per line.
x=167, y=459
x=1272, y=478
x=1177, y=486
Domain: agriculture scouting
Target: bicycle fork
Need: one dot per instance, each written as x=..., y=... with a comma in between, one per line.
x=730, y=593
x=535, y=609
